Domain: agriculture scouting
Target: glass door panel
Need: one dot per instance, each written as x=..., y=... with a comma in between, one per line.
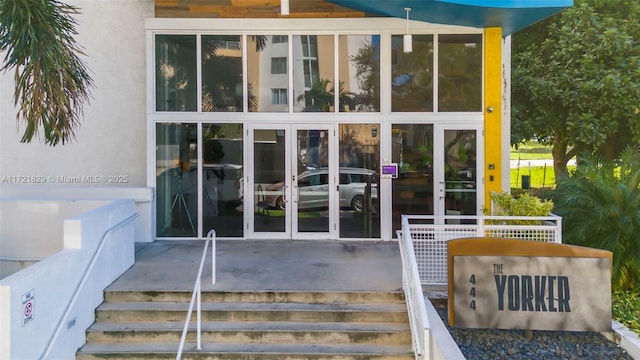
x=458, y=192
x=359, y=160
x=311, y=185
x=270, y=183
x=412, y=192
x=292, y=184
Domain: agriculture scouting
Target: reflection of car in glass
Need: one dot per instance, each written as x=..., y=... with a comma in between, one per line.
x=227, y=178
x=314, y=189
x=222, y=186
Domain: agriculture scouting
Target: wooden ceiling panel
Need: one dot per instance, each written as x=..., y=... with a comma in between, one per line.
x=250, y=9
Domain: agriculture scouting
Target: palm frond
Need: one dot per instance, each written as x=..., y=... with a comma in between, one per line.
x=600, y=207
x=52, y=83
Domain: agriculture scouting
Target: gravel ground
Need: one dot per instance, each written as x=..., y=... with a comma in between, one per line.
x=534, y=345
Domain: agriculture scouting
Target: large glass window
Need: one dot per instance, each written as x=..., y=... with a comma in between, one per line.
x=279, y=65
x=412, y=74
x=176, y=180
x=279, y=39
x=175, y=59
x=312, y=69
x=221, y=73
x=359, y=72
x=460, y=72
x=313, y=73
x=267, y=60
x=279, y=96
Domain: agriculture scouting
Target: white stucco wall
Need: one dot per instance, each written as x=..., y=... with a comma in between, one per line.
x=36, y=241
x=22, y=246
x=111, y=141
x=52, y=283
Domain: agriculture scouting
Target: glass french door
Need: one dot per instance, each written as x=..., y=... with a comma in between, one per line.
x=292, y=183
x=439, y=170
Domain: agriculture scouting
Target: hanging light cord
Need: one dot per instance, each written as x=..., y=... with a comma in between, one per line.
x=407, y=10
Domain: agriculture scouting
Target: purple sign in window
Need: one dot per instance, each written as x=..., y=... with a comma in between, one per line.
x=390, y=169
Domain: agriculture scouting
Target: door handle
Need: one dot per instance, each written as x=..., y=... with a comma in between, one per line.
x=284, y=193
x=441, y=189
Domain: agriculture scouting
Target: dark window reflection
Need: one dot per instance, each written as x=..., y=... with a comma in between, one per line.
x=460, y=172
x=269, y=176
x=222, y=181
x=412, y=75
x=176, y=181
x=412, y=191
x=221, y=73
x=175, y=73
x=460, y=72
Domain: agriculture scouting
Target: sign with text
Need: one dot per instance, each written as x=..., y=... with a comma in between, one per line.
x=521, y=284
x=390, y=170
x=28, y=302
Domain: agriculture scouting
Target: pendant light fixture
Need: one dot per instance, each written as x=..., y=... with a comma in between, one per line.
x=407, y=39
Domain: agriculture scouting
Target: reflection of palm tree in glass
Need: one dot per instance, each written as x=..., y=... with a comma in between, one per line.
x=175, y=77
x=222, y=73
x=321, y=96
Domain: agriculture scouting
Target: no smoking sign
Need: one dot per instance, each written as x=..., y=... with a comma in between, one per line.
x=27, y=307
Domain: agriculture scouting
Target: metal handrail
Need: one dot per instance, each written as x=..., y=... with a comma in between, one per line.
x=196, y=296
x=22, y=258
x=412, y=286
x=83, y=280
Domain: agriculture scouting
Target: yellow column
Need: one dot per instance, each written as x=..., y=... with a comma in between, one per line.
x=492, y=113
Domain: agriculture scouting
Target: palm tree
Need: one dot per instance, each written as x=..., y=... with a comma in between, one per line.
x=600, y=207
x=320, y=96
x=52, y=83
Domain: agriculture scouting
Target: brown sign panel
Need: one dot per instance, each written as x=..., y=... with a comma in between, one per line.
x=521, y=284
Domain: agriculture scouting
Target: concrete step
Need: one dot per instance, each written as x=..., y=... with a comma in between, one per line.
x=253, y=351
x=236, y=311
x=312, y=297
x=258, y=325
x=254, y=332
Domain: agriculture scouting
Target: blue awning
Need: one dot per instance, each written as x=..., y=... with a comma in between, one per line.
x=510, y=15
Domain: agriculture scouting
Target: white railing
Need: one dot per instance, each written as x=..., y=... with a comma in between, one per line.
x=416, y=309
x=430, y=234
x=196, y=297
x=76, y=293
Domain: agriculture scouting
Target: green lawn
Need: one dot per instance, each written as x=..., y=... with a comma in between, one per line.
x=531, y=151
x=539, y=177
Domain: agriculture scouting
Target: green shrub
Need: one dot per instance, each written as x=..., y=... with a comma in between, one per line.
x=626, y=309
x=600, y=208
x=504, y=204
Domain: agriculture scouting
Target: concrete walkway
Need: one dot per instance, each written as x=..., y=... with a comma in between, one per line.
x=293, y=265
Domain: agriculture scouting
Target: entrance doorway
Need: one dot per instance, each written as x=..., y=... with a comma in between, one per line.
x=313, y=181
x=458, y=180
x=292, y=181
x=439, y=170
